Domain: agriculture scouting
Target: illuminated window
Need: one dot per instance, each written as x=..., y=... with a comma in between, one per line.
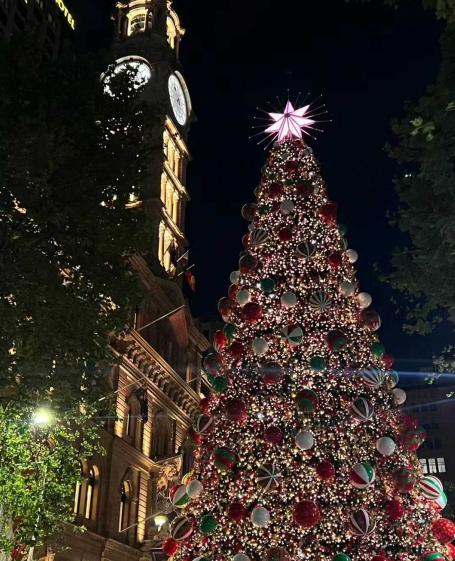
x=433, y=465
x=124, y=510
x=165, y=244
x=171, y=32
x=138, y=23
x=441, y=465
x=86, y=494
x=91, y=482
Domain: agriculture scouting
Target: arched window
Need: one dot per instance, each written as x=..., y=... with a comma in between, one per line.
x=133, y=426
x=86, y=493
x=162, y=436
x=124, y=507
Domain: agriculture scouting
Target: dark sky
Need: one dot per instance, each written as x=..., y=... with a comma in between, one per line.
x=365, y=60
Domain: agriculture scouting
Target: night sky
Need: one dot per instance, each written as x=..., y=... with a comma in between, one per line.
x=365, y=60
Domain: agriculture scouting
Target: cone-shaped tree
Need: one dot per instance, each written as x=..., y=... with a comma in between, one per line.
x=302, y=451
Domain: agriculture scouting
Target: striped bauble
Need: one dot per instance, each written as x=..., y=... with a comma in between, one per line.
x=431, y=487
x=306, y=250
x=258, y=237
x=292, y=335
x=362, y=409
x=320, y=301
x=362, y=475
x=372, y=376
x=178, y=496
x=203, y=424
x=181, y=528
x=361, y=523
x=268, y=476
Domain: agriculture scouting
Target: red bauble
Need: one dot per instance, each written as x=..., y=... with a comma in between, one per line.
x=226, y=306
x=285, y=234
x=370, y=318
x=272, y=373
x=291, y=167
x=306, y=514
x=379, y=558
x=247, y=264
x=273, y=435
x=232, y=291
x=325, y=470
x=304, y=188
x=246, y=240
x=387, y=361
x=409, y=421
x=252, y=312
x=277, y=554
x=170, y=546
x=194, y=436
x=328, y=213
x=235, y=410
x=335, y=260
x=411, y=439
x=205, y=404
x=394, y=509
x=237, y=512
x=236, y=350
x=443, y=530
x=451, y=549
x=275, y=190
x=219, y=340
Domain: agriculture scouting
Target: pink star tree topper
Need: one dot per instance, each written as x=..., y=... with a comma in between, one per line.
x=290, y=124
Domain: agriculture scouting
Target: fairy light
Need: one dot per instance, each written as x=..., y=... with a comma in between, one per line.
x=338, y=437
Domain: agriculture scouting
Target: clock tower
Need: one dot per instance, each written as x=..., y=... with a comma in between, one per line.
x=148, y=36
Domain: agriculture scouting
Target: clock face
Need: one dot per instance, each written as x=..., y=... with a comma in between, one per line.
x=178, y=99
x=139, y=69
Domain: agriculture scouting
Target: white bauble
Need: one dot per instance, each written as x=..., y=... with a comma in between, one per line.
x=260, y=517
x=288, y=300
x=347, y=288
x=304, y=440
x=234, y=277
x=260, y=346
x=241, y=557
x=194, y=488
x=364, y=300
x=399, y=396
x=286, y=207
x=243, y=297
x=385, y=446
x=352, y=255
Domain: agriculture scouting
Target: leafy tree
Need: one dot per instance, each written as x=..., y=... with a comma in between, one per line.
x=39, y=468
x=71, y=163
x=424, y=152
x=71, y=158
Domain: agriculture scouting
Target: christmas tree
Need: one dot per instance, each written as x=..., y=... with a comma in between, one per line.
x=302, y=451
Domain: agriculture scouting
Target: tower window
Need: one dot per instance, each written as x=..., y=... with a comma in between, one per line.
x=138, y=23
x=86, y=493
x=125, y=496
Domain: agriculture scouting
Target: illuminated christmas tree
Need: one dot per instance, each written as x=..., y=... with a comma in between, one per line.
x=302, y=452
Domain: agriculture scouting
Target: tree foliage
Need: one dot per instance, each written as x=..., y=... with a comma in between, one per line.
x=71, y=158
x=424, y=149
x=39, y=469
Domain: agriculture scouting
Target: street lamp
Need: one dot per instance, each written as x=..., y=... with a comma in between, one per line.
x=43, y=417
x=160, y=520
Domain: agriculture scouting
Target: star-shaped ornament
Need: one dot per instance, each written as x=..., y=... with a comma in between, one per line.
x=290, y=124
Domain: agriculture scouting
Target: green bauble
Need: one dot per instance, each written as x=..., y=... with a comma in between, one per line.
x=341, y=557
x=344, y=244
x=218, y=383
x=264, y=209
x=378, y=349
x=267, y=285
x=318, y=363
x=342, y=228
x=229, y=331
x=208, y=524
x=289, y=182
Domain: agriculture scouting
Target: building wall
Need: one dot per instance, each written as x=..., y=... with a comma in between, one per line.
x=436, y=414
x=48, y=20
